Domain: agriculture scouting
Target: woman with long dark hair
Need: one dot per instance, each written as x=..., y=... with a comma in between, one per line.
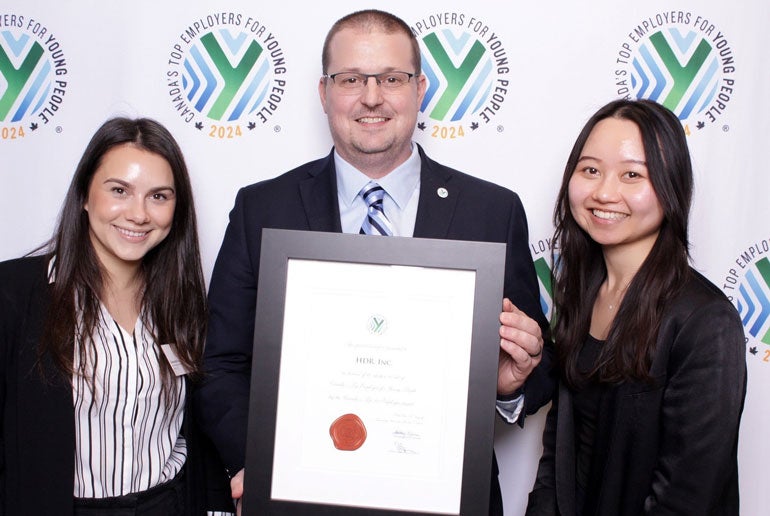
x=100, y=336
x=651, y=354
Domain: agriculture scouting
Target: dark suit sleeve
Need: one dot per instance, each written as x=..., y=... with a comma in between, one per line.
x=222, y=400
x=25, y=447
x=207, y=488
x=522, y=288
x=6, y=312
x=701, y=409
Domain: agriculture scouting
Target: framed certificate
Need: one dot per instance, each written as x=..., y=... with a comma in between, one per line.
x=374, y=375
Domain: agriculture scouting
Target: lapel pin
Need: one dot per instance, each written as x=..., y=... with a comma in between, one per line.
x=442, y=192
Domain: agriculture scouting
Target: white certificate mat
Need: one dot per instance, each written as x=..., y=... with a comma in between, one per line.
x=390, y=345
x=374, y=374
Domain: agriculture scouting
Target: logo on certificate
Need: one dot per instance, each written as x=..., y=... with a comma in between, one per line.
x=377, y=325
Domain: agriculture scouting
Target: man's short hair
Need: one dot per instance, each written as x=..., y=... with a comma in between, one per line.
x=372, y=20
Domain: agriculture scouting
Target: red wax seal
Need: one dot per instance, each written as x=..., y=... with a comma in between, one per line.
x=348, y=432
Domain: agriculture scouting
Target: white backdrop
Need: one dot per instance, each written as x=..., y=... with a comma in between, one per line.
x=548, y=67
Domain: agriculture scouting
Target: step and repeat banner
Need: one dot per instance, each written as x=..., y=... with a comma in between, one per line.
x=510, y=86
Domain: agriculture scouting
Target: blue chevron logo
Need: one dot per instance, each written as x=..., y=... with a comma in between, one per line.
x=459, y=72
x=677, y=69
x=685, y=65
x=543, y=270
x=29, y=86
x=377, y=324
x=226, y=75
x=27, y=77
x=753, y=304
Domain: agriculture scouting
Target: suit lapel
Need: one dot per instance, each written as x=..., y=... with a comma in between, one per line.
x=319, y=197
x=437, y=200
x=434, y=210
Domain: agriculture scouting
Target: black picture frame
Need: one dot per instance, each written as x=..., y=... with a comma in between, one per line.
x=486, y=260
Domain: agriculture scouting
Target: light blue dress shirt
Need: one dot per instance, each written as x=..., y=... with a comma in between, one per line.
x=402, y=193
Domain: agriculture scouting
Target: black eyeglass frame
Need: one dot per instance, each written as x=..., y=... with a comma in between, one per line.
x=366, y=76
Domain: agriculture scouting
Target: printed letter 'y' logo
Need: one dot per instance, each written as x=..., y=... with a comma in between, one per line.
x=681, y=75
x=232, y=77
x=17, y=78
x=455, y=77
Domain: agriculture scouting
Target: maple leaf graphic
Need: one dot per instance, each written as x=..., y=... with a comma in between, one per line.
x=251, y=125
x=199, y=125
x=474, y=126
x=421, y=126
x=700, y=124
x=33, y=125
x=753, y=350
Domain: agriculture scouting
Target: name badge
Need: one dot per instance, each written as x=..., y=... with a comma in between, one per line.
x=173, y=359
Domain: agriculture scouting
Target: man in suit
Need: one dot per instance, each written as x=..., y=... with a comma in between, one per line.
x=371, y=92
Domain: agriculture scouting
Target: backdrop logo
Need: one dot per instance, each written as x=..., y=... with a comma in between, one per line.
x=33, y=70
x=541, y=255
x=681, y=60
x=226, y=74
x=748, y=287
x=467, y=68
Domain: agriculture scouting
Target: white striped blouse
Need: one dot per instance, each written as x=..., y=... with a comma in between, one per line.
x=127, y=436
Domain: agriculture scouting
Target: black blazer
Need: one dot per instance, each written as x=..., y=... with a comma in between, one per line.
x=37, y=463
x=306, y=199
x=667, y=448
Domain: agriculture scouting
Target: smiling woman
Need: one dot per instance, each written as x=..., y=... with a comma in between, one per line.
x=611, y=195
x=130, y=207
x=107, y=330
x=653, y=375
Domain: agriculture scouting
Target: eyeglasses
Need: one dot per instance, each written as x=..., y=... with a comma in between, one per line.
x=355, y=82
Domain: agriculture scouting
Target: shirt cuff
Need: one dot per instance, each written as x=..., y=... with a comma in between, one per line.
x=510, y=409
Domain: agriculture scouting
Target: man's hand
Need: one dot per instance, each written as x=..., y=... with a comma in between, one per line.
x=521, y=348
x=236, y=489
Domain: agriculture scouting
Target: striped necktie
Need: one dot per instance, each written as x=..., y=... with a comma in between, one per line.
x=376, y=222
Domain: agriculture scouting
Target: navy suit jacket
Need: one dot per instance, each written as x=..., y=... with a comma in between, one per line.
x=306, y=199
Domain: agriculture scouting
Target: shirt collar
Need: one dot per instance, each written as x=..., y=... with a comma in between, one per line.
x=52, y=270
x=399, y=183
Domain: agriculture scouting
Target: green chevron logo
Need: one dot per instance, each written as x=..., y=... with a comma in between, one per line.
x=456, y=77
x=682, y=61
x=233, y=77
x=33, y=72
x=748, y=286
x=466, y=66
x=17, y=78
x=682, y=74
x=226, y=75
x=543, y=271
x=377, y=324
